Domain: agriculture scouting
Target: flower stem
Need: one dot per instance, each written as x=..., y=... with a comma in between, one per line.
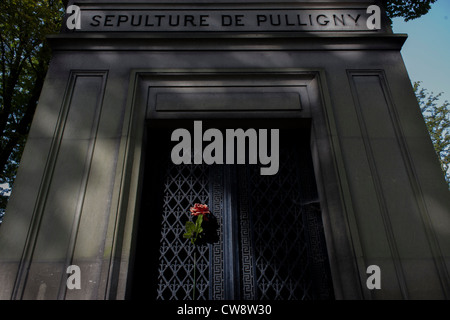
x=195, y=266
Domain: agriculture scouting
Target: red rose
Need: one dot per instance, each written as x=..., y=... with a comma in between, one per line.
x=200, y=209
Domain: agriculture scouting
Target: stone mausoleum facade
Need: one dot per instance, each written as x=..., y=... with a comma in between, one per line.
x=355, y=207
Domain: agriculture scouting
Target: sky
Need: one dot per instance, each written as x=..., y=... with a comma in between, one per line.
x=427, y=50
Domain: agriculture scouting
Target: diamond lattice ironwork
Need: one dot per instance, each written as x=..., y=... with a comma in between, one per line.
x=277, y=234
x=184, y=185
x=288, y=246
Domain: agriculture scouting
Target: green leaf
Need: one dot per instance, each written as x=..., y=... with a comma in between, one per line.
x=190, y=227
x=194, y=230
x=187, y=235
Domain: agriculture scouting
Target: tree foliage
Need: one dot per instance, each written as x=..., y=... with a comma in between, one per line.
x=407, y=9
x=25, y=55
x=437, y=119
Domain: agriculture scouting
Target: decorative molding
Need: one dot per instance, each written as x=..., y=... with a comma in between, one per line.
x=412, y=178
x=45, y=186
x=131, y=148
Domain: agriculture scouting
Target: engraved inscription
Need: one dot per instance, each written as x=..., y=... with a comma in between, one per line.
x=225, y=20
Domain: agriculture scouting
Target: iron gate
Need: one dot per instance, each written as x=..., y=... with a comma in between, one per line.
x=265, y=240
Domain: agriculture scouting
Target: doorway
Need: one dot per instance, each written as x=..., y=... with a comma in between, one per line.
x=264, y=241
